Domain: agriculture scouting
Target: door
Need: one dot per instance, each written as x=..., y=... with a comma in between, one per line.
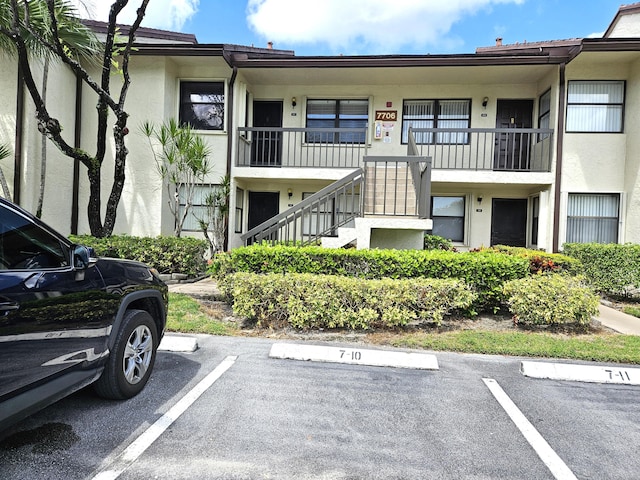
x=262, y=207
x=509, y=222
x=513, y=148
x=267, y=145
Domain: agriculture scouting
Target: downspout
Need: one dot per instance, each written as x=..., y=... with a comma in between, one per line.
x=230, y=135
x=559, y=148
x=77, y=135
x=17, y=154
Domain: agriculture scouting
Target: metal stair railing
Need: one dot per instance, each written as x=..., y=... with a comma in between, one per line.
x=318, y=215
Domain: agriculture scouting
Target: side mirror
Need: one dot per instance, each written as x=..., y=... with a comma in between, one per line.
x=82, y=257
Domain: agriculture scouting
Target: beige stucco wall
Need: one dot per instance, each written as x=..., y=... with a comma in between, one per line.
x=632, y=166
x=628, y=25
x=8, y=80
x=595, y=162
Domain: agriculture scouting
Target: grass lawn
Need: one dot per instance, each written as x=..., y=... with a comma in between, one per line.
x=189, y=316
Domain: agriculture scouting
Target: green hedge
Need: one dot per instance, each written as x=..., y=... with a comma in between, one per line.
x=612, y=269
x=551, y=299
x=484, y=271
x=309, y=301
x=540, y=261
x=166, y=254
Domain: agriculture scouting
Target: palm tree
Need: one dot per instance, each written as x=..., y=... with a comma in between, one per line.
x=52, y=28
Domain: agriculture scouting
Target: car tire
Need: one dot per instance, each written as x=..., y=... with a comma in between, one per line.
x=132, y=358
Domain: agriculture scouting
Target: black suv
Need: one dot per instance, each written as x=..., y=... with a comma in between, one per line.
x=68, y=319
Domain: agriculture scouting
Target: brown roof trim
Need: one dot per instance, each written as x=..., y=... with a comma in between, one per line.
x=455, y=60
x=144, y=32
x=610, y=45
x=623, y=10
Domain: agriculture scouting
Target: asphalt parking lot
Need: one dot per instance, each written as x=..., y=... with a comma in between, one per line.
x=230, y=411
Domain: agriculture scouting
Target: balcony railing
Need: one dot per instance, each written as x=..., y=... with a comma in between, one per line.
x=397, y=186
x=493, y=149
x=496, y=149
x=301, y=147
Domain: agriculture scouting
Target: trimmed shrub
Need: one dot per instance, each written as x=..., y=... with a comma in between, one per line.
x=484, y=271
x=612, y=269
x=166, y=254
x=551, y=299
x=308, y=301
x=540, y=261
x=435, y=242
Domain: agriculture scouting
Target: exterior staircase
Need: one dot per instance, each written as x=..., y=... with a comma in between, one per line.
x=384, y=204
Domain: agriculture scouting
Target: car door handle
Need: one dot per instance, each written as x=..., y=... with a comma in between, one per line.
x=8, y=306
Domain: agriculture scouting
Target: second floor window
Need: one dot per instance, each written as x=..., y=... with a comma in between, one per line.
x=436, y=114
x=332, y=114
x=544, y=113
x=595, y=106
x=202, y=105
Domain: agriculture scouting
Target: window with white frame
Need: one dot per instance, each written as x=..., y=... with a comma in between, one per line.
x=595, y=106
x=593, y=218
x=332, y=114
x=198, y=210
x=447, y=214
x=544, y=113
x=202, y=105
x=436, y=114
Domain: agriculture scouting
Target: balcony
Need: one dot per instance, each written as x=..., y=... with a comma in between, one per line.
x=471, y=149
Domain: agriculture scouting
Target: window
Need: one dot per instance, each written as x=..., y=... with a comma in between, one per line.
x=595, y=106
x=447, y=214
x=593, y=218
x=436, y=114
x=198, y=210
x=24, y=245
x=535, y=217
x=544, y=113
x=202, y=105
x=320, y=219
x=333, y=114
x=239, y=210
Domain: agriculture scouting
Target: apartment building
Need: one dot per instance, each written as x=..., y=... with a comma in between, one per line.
x=531, y=144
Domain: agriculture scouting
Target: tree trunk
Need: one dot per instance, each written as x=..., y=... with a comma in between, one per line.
x=43, y=153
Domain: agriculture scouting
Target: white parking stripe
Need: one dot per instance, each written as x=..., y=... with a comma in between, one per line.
x=550, y=458
x=144, y=441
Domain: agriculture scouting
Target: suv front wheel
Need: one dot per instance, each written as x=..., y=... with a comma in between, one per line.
x=132, y=358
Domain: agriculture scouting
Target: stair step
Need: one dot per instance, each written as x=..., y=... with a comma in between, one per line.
x=346, y=235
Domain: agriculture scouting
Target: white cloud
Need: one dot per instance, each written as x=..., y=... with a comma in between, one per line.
x=163, y=14
x=378, y=25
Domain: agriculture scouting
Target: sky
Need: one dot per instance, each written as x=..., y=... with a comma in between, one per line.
x=371, y=27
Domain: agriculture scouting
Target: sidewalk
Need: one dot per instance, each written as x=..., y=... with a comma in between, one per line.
x=609, y=317
x=618, y=321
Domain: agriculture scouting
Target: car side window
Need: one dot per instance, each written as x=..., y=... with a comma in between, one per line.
x=24, y=245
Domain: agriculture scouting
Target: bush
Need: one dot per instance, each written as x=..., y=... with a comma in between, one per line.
x=485, y=272
x=612, y=269
x=540, y=261
x=435, y=242
x=166, y=254
x=325, y=301
x=551, y=299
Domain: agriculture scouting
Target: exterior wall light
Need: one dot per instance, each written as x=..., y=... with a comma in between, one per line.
x=293, y=102
x=485, y=100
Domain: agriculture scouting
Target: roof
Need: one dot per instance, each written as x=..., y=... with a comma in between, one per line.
x=144, y=34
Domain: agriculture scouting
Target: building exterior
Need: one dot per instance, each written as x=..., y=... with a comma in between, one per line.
x=532, y=144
